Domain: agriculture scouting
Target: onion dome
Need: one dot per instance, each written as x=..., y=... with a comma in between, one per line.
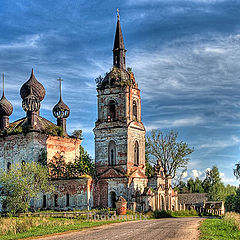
x=61, y=110
x=6, y=107
x=37, y=88
x=31, y=103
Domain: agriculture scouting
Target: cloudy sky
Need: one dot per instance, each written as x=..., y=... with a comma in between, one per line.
x=185, y=55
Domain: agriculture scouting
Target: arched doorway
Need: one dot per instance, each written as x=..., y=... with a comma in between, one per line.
x=113, y=199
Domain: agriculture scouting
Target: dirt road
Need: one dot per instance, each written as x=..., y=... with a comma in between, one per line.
x=157, y=229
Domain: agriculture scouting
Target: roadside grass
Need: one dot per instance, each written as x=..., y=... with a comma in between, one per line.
x=224, y=228
x=24, y=227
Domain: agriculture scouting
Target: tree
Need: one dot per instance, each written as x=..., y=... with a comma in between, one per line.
x=214, y=186
x=172, y=155
x=82, y=165
x=21, y=184
x=77, y=134
x=149, y=170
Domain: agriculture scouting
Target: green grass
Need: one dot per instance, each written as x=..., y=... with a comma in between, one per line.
x=218, y=229
x=45, y=230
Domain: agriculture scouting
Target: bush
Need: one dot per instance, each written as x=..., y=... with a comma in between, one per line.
x=181, y=213
x=162, y=214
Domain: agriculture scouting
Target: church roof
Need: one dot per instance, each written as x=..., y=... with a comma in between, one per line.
x=118, y=42
x=43, y=124
x=192, y=198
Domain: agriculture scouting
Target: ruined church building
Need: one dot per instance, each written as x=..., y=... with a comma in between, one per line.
x=119, y=145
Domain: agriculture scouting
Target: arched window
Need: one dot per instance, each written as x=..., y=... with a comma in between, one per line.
x=136, y=154
x=112, y=153
x=111, y=111
x=23, y=162
x=44, y=205
x=67, y=200
x=134, y=110
x=9, y=166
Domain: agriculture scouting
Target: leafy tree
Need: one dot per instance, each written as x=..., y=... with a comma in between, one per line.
x=149, y=171
x=198, y=188
x=59, y=169
x=172, y=155
x=77, y=134
x=190, y=185
x=21, y=184
x=181, y=187
x=84, y=163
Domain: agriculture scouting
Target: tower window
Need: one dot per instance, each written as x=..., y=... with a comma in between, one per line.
x=112, y=153
x=9, y=166
x=134, y=110
x=111, y=111
x=136, y=154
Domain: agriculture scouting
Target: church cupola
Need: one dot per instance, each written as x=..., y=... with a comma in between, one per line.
x=32, y=92
x=6, y=110
x=37, y=88
x=61, y=111
x=119, y=50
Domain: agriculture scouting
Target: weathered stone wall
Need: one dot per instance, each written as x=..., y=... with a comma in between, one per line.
x=28, y=147
x=21, y=147
x=68, y=147
x=80, y=195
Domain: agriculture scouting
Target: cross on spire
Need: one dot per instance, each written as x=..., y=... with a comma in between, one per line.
x=118, y=16
x=3, y=83
x=60, y=86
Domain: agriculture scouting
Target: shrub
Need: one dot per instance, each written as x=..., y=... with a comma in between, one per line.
x=162, y=214
x=183, y=213
x=232, y=219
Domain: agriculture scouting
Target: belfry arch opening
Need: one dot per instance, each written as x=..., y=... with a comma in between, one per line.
x=111, y=111
x=112, y=153
x=136, y=153
x=134, y=110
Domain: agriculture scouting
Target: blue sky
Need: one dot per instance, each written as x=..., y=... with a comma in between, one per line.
x=185, y=55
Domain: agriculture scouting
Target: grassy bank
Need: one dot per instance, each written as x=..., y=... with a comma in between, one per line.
x=224, y=228
x=23, y=227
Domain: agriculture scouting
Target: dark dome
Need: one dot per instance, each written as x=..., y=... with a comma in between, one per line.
x=37, y=88
x=61, y=110
x=6, y=107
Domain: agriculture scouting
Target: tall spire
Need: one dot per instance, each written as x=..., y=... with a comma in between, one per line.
x=60, y=87
x=3, y=95
x=119, y=48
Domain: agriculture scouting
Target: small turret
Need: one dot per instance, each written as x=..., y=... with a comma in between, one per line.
x=61, y=111
x=6, y=110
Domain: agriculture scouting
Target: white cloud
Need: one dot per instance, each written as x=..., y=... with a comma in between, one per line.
x=28, y=41
x=192, y=121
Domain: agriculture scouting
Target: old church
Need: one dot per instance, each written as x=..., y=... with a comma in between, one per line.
x=119, y=144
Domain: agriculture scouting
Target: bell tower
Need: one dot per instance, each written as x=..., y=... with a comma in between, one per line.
x=119, y=132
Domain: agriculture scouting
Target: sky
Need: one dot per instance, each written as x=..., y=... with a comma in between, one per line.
x=185, y=55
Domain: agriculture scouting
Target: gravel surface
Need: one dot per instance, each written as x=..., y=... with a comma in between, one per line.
x=162, y=229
